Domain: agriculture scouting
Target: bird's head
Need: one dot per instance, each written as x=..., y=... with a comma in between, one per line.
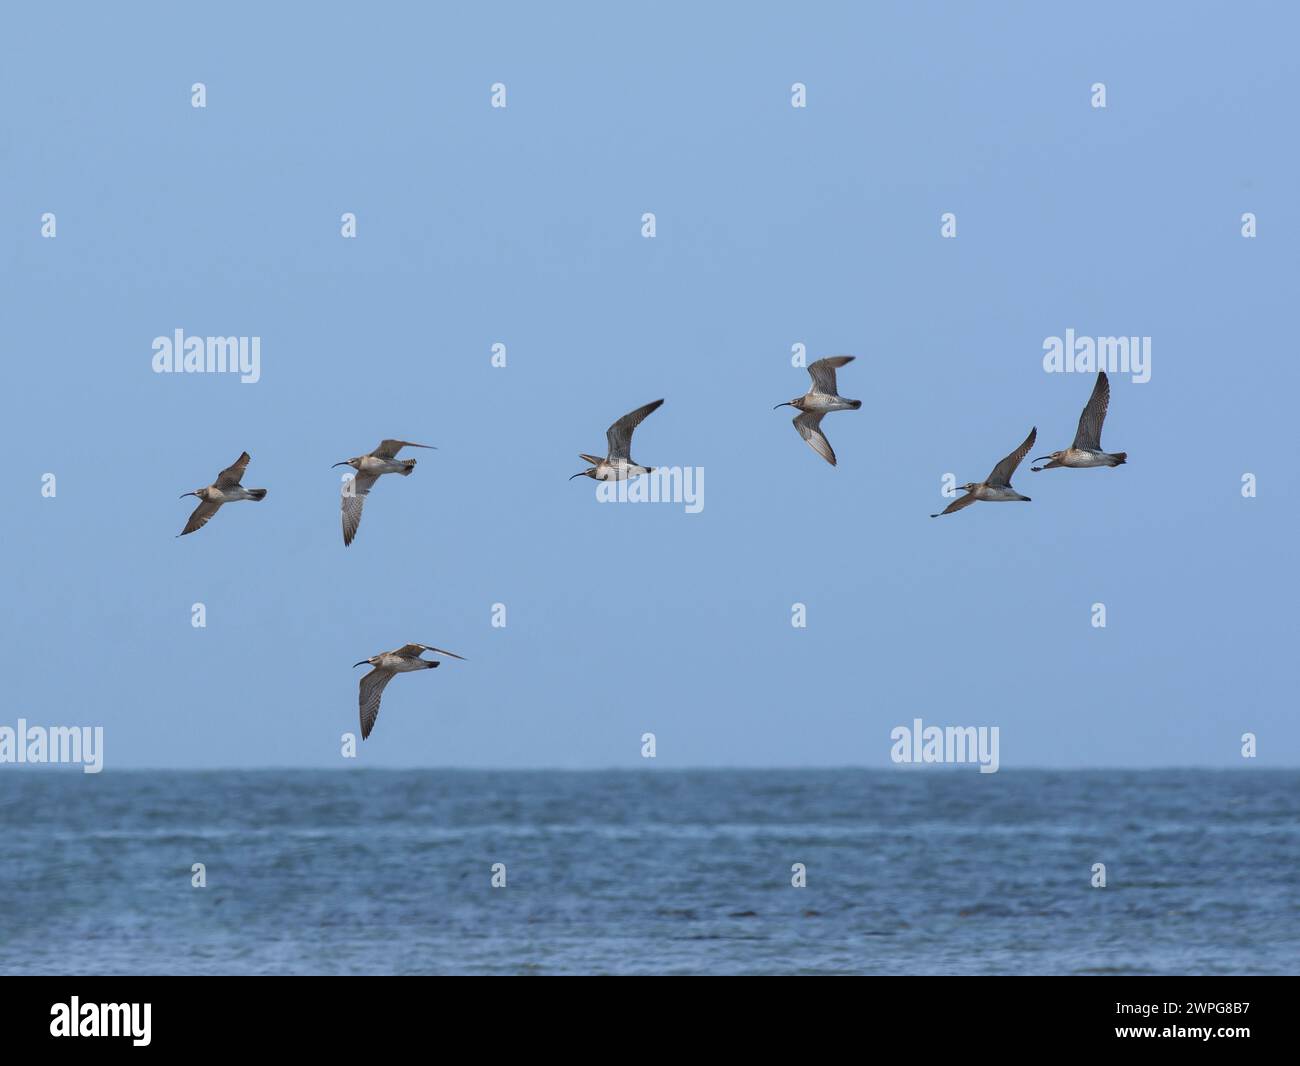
x=968, y=487
x=797, y=403
x=202, y=493
x=589, y=472
x=354, y=462
x=1052, y=458
x=363, y=662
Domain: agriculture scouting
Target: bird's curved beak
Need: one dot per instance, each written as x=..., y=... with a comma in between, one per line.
x=344, y=463
x=580, y=473
x=786, y=404
x=184, y=494
x=1040, y=459
x=361, y=663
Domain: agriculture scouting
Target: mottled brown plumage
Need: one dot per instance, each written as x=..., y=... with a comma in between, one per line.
x=226, y=489
x=387, y=665
x=996, y=488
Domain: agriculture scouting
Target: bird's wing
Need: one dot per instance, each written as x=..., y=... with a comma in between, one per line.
x=956, y=505
x=1094, y=414
x=823, y=373
x=1002, y=472
x=415, y=649
x=388, y=449
x=231, y=476
x=619, y=435
x=372, y=688
x=353, y=501
x=809, y=425
x=205, y=510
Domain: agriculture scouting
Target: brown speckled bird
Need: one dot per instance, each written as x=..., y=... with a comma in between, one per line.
x=996, y=488
x=1086, y=449
x=387, y=665
x=226, y=489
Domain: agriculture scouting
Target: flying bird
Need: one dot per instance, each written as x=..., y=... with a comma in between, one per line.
x=618, y=465
x=821, y=398
x=1086, y=449
x=383, y=460
x=225, y=489
x=996, y=488
x=387, y=665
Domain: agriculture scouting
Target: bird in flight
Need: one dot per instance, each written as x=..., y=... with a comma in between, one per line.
x=821, y=398
x=387, y=665
x=225, y=489
x=383, y=460
x=618, y=465
x=996, y=488
x=1086, y=449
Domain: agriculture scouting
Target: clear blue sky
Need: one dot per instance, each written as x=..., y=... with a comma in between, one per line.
x=775, y=226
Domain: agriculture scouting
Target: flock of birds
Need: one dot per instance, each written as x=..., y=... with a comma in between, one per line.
x=618, y=465
x=1084, y=452
x=369, y=468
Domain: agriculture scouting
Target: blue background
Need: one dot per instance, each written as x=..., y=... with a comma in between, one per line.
x=776, y=226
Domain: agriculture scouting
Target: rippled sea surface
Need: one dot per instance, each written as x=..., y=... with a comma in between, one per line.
x=684, y=872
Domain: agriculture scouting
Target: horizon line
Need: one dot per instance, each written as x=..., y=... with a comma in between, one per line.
x=908, y=768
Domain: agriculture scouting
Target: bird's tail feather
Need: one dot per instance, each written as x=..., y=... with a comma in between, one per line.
x=855, y=404
x=1119, y=457
x=410, y=465
x=257, y=494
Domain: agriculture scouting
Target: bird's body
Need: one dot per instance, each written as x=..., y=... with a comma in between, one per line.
x=618, y=464
x=387, y=665
x=1080, y=458
x=235, y=492
x=369, y=468
x=821, y=399
x=1086, y=449
x=996, y=488
x=401, y=664
x=226, y=489
x=374, y=465
x=612, y=470
x=998, y=494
